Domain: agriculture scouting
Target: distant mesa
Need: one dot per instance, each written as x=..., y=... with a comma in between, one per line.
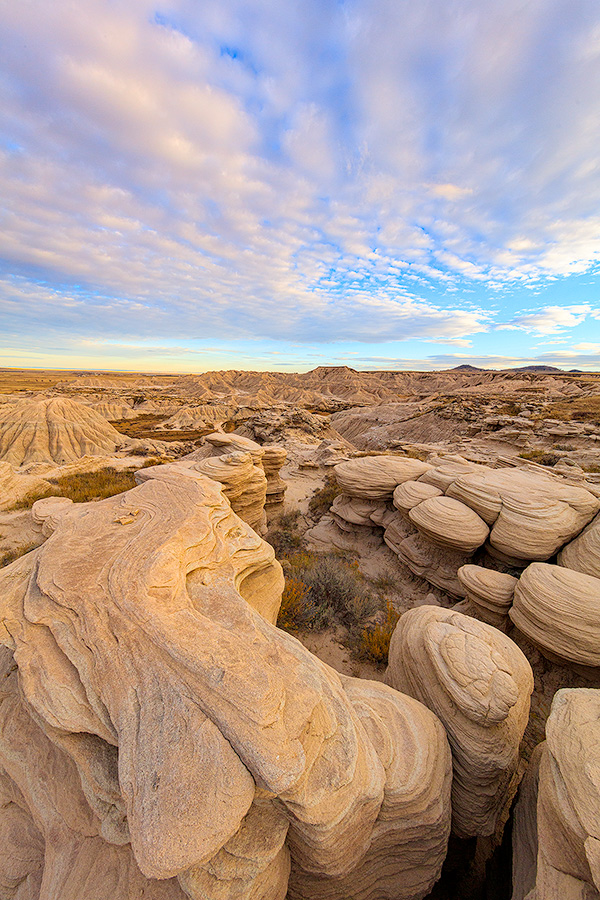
x=467, y=368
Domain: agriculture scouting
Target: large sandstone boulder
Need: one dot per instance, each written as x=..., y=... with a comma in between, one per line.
x=411, y=493
x=449, y=523
x=568, y=803
x=58, y=430
x=479, y=684
x=558, y=609
x=15, y=485
x=583, y=553
x=375, y=477
x=273, y=458
x=531, y=515
x=161, y=739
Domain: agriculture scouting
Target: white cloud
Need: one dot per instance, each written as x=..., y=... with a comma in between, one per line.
x=549, y=320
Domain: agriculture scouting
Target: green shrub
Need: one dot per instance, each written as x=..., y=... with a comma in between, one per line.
x=321, y=500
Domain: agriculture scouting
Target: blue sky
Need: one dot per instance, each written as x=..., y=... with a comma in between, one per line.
x=280, y=184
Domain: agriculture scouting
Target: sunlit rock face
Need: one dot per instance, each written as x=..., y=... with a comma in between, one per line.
x=565, y=835
x=159, y=738
x=479, y=684
x=558, y=610
x=489, y=593
x=376, y=477
x=58, y=430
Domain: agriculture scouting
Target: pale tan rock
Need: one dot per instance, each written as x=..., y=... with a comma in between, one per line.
x=525, y=831
x=57, y=430
x=231, y=443
x=376, y=477
x=532, y=515
x=583, y=553
x=558, y=610
x=194, y=418
x=201, y=735
x=449, y=523
x=15, y=485
x=273, y=458
x=568, y=863
x=47, y=511
x=490, y=592
x=411, y=493
x=437, y=565
x=479, y=684
x=445, y=474
x=356, y=511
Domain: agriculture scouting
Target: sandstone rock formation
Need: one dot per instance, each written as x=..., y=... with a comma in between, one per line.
x=15, y=486
x=478, y=683
x=558, y=610
x=54, y=431
x=376, y=477
x=449, y=523
x=273, y=458
x=489, y=592
x=568, y=805
x=583, y=553
x=411, y=493
x=159, y=738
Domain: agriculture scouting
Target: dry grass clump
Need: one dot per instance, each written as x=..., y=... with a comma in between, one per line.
x=9, y=556
x=321, y=500
x=284, y=534
x=374, y=642
x=83, y=486
x=582, y=409
x=542, y=457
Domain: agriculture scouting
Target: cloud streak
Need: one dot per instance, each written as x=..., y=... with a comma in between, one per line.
x=312, y=171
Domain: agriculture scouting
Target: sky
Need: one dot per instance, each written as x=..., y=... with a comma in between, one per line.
x=280, y=184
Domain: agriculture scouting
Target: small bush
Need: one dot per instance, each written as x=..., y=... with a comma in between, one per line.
x=374, y=644
x=296, y=611
x=321, y=500
x=284, y=534
x=338, y=592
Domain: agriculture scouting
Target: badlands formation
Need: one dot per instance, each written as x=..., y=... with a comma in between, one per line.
x=162, y=738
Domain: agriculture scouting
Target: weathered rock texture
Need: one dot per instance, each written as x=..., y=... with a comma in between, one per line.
x=583, y=553
x=449, y=523
x=57, y=430
x=376, y=477
x=15, y=486
x=490, y=593
x=479, y=684
x=273, y=459
x=160, y=738
x=568, y=804
x=558, y=609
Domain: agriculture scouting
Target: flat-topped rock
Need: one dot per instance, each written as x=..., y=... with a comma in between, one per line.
x=449, y=523
x=445, y=474
x=230, y=443
x=376, y=477
x=558, y=609
x=479, y=684
x=411, y=493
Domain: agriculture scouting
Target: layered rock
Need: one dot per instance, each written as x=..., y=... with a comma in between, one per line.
x=479, y=684
x=449, y=523
x=444, y=474
x=531, y=515
x=568, y=803
x=411, y=493
x=57, y=430
x=583, y=553
x=273, y=458
x=376, y=477
x=558, y=609
x=161, y=739
x=435, y=564
x=489, y=592
x=15, y=486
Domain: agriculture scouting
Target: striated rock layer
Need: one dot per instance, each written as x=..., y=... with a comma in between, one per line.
x=161, y=739
x=479, y=684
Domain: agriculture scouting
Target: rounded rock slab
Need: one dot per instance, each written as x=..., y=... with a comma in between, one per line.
x=449, y=523
x=375, y=477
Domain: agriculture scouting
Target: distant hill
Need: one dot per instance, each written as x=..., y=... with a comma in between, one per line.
x=467, y=368
x=541, y=369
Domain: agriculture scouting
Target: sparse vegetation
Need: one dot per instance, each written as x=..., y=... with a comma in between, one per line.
x=321, y=500
x=9, y=556
x=511, y=408
x=542, y=457
x=374, y=643
x=582, y=409
x=284, y=534
x=83, y=486
x=144, y=426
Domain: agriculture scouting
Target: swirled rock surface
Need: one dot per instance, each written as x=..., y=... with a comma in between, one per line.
x=273, y=458
x=159, y=738
x=443, y=475
x=355, y=511
x=490, y=592
x=583, y=553
x=15, y=485
x=558, y=609
x=479, y=684
x=531, y=515
x=375, y=477
x=449, y=523
x=58, y=430
x=568, y=807
x=411, y=493
x=232, y=443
